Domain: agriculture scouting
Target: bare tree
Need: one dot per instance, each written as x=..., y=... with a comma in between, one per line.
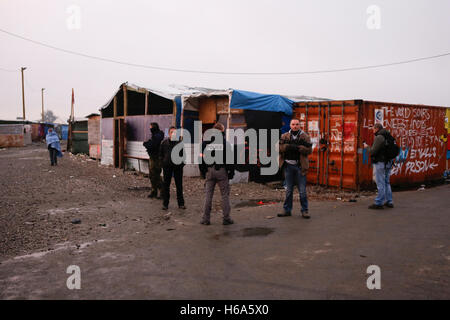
x=49, y=116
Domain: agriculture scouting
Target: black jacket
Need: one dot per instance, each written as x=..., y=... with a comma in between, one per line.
x=377, y=149
x=165, y=153
x=152, y=145
x=223, y=149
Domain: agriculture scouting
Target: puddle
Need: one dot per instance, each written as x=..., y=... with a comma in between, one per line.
x=246, y=232
x=257, y=232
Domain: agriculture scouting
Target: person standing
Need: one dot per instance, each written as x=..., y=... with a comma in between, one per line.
x=217, y=172
x=53, y=146
x=295, y=146
x=152, y=146
x=171, y=169
x=382, y=167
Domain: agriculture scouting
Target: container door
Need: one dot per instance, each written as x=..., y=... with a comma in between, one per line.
x=333, y=128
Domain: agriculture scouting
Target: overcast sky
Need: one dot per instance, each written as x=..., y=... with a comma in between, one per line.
x=230, y=36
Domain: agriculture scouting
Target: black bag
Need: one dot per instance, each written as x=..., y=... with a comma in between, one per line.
x=391, y=149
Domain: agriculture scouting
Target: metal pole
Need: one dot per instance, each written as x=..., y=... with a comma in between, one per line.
x=328, y=142
x=318, y=147
x=42, y=91
x=342, y=146
x=23, y=93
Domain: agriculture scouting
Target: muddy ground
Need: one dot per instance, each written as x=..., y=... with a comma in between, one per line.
x=39, y=202
x=128, y=248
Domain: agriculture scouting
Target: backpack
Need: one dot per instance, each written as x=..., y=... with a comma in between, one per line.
x=391, y=149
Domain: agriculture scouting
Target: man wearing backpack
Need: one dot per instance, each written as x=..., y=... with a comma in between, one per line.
x=382, y=152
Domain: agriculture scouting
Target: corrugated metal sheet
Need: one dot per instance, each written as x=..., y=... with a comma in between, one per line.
x=11, y=129
x=338, y=129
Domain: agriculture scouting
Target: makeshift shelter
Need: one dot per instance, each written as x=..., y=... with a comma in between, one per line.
x=238, y=109
x=125, y=123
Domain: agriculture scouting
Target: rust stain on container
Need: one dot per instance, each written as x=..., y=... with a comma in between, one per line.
x=11, y=140
x=339, y=128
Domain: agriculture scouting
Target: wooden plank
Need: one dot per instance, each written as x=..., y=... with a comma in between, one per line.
x=146, y=102
x=125, y=101
x=207, y=110
x=115, y=106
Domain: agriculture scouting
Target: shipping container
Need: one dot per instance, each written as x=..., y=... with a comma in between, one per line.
x=12, y=135
x=339, y=128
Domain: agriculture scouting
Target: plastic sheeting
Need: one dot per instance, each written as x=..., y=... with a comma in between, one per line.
x=247, y=100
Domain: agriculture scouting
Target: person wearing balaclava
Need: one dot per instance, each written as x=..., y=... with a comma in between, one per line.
x=54, y=146
x=152, y=146
x=295, y=146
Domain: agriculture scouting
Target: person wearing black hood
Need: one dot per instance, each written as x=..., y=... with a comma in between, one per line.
x=217, y=173
x=152, y=146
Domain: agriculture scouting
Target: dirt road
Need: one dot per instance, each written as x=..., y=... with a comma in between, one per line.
x=127, y=247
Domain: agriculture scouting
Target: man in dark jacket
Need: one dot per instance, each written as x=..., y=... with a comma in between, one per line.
x=171, y=169
x=152, y=146
x=295, y=147
x=382, y=168
x=217, y=173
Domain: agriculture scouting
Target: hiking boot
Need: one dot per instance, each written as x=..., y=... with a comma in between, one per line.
x=205, y=222
x=285, y=214
x=376, y=206
x=165, y=207
x=305, y=215
x=227, y=222
x=389, y=205
x=182, y=207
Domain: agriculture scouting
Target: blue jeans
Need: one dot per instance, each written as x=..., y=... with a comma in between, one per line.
x=382, y=174
x=293, y=175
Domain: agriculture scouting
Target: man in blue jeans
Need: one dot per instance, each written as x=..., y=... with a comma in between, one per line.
x=295, y=146
x=381, y=167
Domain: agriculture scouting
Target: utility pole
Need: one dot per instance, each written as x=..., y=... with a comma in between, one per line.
x=23, y=93
x=42, y=90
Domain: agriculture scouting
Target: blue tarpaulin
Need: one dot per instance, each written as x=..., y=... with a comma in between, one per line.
x=247, y=100
x=178, y=115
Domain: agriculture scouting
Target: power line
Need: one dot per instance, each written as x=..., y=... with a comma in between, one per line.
x=222, y=72
x=8, y=70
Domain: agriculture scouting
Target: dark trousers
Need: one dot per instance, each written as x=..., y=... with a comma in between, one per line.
x=294, y=177
x=53, y=156
x=177, y=173
x=155, y=175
